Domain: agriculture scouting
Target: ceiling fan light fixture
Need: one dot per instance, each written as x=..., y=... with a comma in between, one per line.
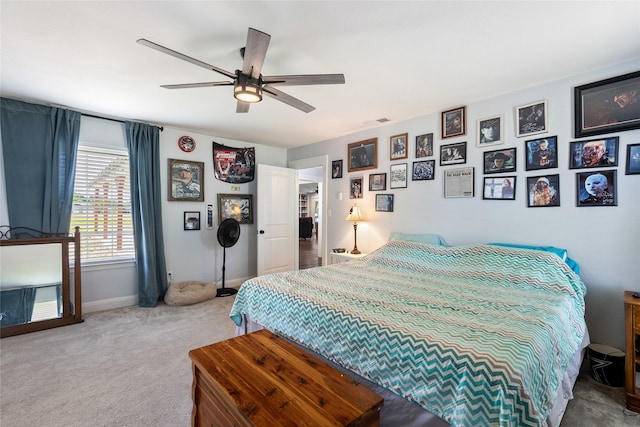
x=247, y=89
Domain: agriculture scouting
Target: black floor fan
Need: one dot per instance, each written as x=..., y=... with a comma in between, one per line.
x=228, y=235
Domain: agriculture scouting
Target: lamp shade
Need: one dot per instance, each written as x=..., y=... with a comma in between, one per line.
x=247, y=89
x=354, y=214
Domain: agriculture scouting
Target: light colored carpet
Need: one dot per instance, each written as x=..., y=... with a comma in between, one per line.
x=130, y=367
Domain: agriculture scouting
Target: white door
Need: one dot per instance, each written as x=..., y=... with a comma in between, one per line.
x=277, y=214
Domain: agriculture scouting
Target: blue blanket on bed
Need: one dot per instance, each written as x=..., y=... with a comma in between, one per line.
x=479, y=335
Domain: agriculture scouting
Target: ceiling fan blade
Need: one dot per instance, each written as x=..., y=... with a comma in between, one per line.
x=192, y=85
x=255, y=52
x=179, y=55
x=242, y=107
x=287, y=99
x=304, y=79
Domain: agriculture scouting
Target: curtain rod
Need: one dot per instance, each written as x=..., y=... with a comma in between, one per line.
x=113, y=120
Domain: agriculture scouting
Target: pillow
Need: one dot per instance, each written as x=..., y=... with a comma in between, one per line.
x=562, y=253
x=432, y=239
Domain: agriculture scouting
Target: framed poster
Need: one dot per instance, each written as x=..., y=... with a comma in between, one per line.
x=186, y=181
x=499, y=161
x=543, y=191
x=500, y=188
x=336, y=169
x=606, y=106
x=384, y=202
x=398, y=176
x=423, y=170
x=424, y=145
x=489, y=131
x=191, y=221
x=377, y=182
x=594, y=153
x=355, y=188
x=532, y=119
x=541, y=153
x=398, y=146
x=458, y=182
x=596, y=188
x=633, y=159
x=453, y=154
x=236, y=206
x=363, y=155
x=454, y=122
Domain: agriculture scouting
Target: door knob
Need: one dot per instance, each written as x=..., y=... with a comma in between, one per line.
x=261, y=231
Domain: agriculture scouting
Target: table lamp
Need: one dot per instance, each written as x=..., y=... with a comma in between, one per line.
x=355, y=215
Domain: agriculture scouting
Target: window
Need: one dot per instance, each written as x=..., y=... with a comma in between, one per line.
x=102, y=205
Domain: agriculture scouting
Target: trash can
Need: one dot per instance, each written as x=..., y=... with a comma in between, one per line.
x=607, y=364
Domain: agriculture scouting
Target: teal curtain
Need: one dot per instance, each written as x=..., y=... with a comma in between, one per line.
x=39, y=145
x=143, y=142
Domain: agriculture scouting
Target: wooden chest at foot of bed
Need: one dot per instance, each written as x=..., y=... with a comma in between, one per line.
x=261, y=379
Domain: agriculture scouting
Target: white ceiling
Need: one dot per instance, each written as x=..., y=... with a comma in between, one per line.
x=400, y=59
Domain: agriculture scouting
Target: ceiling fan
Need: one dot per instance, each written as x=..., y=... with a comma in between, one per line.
x=249, y=84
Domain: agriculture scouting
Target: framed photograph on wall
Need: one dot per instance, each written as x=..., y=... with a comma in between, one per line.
x=377, y=182
x=398, y=146
x=423, y=170
x=596, y=188
x=336, y=169
x=541, y=153
x=543, y=191
x=424, y=145
x=499, y=188
x=398, y=176
x=454, y=122
x=606, y=106
x=499, y=161
x=532, y=119
x=490, y=131
x=236, y=206
x=453, y=154
x=363, y=155
x=594, y=153
x=458, y=182
x=384, y=202
x=633, y=159
x=355, y=188
x=186, y=181
x=191, y=221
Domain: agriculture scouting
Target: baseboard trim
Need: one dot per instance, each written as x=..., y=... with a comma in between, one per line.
x=109, y=304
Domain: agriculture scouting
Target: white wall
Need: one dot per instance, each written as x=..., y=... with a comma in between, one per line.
x=603, y=240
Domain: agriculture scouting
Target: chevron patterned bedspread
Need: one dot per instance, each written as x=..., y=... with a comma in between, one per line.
x=478, y=335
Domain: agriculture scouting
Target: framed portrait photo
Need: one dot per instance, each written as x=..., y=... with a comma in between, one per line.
x=499, y=161
x=499, y=188
x=355, y=188
x=336, y=169
x=454, y=122
x=458, y=182
x=398, y=146
x=377, y=182
x=606, y=106
x=490, y=131
x=532, y=119
x=384, y=202
x=191, y=221
x=453, y=154
x=186, y=181
x=423, y=170
x=543, y=191
x=363, y=155
x=236, y=206
x=398, y=176
x=594, y=153
x=541, y=153
x=424, y=145
x=596, y=188
x=633, y=159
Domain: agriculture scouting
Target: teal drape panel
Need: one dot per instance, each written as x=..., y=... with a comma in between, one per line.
x=40, y=146
x=143, y=142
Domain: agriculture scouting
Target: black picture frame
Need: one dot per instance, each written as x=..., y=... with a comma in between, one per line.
x=377, y=182
x=499, y=161
x=540, y=195
x=532, y=119
x=453, y=154
x=424, y=145
x=633, y=160
x=191, y=221
x=594, y=153
x=453, y=122
x=499, y=188
x=423, y=170
x=399, y=146
x=336, y=169
x=606, y=106
x=236, y=206
x=398, y=176
x=541, y=153
x=362, y=155
x=384, y=202
x=185, y=181
x=597, y=188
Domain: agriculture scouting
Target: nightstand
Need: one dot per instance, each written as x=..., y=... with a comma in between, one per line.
x=632, y=349
x=335, y=258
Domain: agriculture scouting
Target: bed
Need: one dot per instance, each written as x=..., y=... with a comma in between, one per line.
x=478, y=335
